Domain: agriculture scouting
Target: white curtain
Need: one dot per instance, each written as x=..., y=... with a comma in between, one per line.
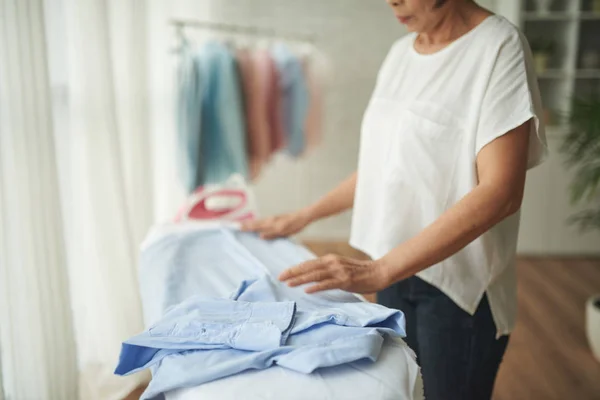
x=74, y=206
x=37, y=348
x=109, y=186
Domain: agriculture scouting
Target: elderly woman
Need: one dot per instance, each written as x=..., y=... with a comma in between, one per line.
x=447, y=138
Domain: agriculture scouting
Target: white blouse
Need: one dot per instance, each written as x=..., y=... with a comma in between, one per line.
x=427, y=120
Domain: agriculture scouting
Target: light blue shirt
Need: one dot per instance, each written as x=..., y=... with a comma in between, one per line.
x=295, y=97
x=260, y=331
x=183, y=271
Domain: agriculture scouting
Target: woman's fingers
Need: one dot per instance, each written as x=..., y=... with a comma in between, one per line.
x=301, y=269
x=314, y=276
x=259, y=225
x=253, y=225
x=275, y=227
x=270, y=234
x=335, y=272
x=328, y=284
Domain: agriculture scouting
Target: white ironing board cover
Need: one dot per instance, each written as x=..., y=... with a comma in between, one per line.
x=395, y=376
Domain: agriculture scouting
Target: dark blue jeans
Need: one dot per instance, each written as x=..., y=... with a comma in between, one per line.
x=458, y=353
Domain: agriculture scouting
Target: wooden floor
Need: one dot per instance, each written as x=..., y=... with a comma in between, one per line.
x=548, y=357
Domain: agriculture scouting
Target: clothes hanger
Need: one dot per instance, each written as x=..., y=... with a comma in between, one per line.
x=182, y=39
x=227, y=39
x=244, y=42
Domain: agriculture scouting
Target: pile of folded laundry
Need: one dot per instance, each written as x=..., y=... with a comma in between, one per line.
x=200, y=340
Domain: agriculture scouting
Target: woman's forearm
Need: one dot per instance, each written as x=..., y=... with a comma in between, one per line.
x=340, y=199
x=475, y=214
x=501, y=168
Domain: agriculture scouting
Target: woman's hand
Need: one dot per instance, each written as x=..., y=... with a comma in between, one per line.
x=335, y=272
x=339, y=199
x=279, y=226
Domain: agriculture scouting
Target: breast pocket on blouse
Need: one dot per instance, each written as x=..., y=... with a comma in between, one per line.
x=424, y=151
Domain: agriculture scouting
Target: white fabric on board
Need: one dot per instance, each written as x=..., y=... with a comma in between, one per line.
x=395, y=375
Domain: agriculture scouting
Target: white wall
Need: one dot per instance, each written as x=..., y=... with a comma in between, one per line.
x=546, y=208
x=356, y=35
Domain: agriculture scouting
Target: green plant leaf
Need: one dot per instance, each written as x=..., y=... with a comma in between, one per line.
x=586, y=220
x=581, y=148
x=586, y=182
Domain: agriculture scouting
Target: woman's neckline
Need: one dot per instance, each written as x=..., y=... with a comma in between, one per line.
x=451, y=44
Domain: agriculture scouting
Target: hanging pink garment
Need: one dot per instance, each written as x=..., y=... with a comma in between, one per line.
x=259, y=113
x=273, y=101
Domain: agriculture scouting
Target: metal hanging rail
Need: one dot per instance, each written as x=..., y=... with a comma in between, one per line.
x=180, y=24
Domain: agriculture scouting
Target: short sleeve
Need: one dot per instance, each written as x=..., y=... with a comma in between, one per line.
x=512, y=98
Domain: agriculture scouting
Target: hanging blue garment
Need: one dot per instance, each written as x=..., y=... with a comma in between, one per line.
x=223, y=125
x=295, y=97
x=189, y=114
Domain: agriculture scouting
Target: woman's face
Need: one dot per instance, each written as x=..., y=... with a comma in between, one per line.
x=418, y=15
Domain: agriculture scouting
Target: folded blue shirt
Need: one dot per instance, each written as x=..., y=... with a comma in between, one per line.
x=199, y=324
x=254, y=330
x=211, y=264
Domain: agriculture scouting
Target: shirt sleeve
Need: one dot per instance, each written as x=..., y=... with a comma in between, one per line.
x=512, y=98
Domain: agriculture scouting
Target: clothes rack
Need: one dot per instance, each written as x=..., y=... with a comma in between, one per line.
x=181, y=24
x=257, y=100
